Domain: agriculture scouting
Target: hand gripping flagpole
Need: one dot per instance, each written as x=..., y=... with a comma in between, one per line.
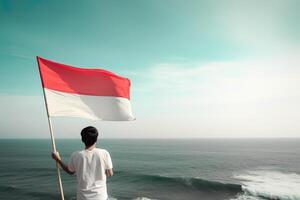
x=53, y=142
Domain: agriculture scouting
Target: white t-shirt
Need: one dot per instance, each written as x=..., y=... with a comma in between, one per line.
x=89, y=168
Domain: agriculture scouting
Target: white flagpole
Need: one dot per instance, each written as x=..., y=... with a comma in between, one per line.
x=53, y=146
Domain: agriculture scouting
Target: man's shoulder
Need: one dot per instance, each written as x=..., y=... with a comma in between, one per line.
x=76, y=153
x=102, y=151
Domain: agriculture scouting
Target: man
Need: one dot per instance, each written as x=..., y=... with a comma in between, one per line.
x=91, y=166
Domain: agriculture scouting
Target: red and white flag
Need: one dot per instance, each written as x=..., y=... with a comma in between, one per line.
x=88, y=93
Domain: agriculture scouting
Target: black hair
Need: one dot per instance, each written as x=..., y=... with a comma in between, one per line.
x=89, y=135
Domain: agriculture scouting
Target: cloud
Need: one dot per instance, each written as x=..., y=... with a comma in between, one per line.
x=257, y=96
x=240, y=81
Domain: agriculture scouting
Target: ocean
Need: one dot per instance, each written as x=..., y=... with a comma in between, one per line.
x=166, y=169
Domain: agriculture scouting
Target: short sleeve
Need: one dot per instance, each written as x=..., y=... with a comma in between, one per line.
x=108, y=162
x=71, y=164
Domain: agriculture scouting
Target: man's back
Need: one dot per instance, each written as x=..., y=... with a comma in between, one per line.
x=89, y=167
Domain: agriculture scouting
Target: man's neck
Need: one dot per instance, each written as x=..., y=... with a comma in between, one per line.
x=90, y=147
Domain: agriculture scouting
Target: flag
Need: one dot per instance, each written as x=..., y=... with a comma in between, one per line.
x=87, y=93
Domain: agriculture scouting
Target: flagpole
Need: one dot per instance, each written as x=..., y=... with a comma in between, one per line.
x=54, y=150
x=52, y=141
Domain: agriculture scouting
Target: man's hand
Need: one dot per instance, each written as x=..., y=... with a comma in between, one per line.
x=56, y=156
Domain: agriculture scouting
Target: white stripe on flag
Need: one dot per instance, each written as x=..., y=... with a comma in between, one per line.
x=91, y=107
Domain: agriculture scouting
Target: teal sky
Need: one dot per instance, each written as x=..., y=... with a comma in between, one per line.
x=202, y=68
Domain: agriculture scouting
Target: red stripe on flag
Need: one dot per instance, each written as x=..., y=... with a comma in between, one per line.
x=96, y=82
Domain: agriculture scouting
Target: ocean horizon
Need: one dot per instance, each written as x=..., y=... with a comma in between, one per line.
x=170, y=169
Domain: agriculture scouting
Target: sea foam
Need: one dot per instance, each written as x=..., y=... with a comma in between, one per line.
x=269, y=185
x=143, y=198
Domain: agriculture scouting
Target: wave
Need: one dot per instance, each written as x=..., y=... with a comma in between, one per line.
x=187, y=182
x=273, y=185
x=254, y=185
x=195, y=183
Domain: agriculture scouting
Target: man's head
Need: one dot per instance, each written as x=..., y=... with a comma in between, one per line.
x=89, y=135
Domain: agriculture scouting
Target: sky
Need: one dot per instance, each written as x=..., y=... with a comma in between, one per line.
x=199, y=69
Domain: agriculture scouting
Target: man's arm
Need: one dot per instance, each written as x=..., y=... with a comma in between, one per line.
x=55, y=156
x=109, y=172
x=108, y=165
